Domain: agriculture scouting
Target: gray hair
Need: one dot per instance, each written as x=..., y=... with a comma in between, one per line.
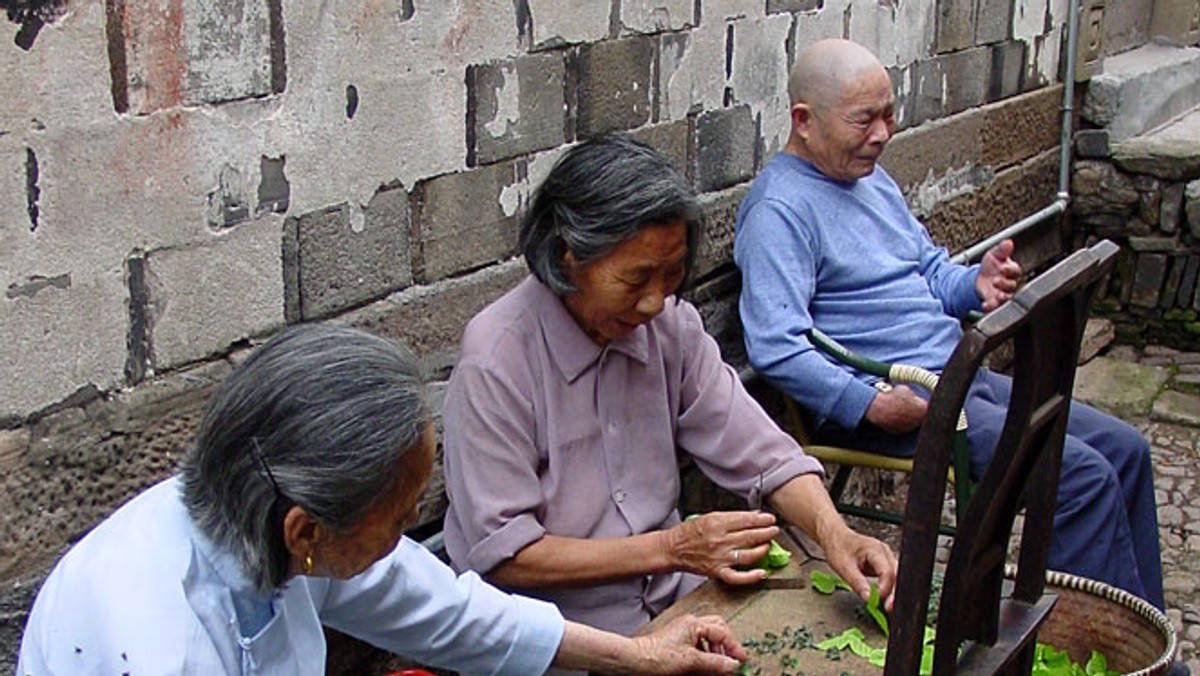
x=319, y=417
x=599, y=194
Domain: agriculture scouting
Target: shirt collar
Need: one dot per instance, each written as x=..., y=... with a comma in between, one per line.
x=572, y=351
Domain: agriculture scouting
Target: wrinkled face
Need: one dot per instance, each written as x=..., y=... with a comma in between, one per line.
x=628, y=286
x=846, y=139
x=349, y=553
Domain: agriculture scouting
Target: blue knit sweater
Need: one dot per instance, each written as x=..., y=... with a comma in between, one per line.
x=850, y=259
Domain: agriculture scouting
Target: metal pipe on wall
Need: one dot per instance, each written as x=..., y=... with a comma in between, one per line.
x=1059, y=205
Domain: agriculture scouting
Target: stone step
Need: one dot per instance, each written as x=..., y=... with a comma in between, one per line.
x=1171, y=152
x=1142, y=89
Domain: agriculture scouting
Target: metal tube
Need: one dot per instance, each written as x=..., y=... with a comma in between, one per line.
x=972, y=252
x=1064, y=153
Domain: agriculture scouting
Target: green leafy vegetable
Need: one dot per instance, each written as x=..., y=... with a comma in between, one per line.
x=777, y=557
x=876, y=613
x=826, y=583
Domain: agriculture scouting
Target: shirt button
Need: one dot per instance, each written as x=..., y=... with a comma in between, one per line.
x=619, y=495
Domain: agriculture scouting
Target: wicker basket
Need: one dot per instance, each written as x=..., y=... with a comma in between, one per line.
x=1134, y=636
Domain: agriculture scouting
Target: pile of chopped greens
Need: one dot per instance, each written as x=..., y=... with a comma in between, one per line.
x=1047, y=660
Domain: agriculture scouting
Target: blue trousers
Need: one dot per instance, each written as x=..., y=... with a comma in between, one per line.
x=1106, y=523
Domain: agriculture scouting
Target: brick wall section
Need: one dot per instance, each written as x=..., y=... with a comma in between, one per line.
x=198, y=184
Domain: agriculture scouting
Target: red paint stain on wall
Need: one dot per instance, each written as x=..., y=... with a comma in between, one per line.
x=154, y=36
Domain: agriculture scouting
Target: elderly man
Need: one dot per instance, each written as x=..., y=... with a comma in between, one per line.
x=824, y=238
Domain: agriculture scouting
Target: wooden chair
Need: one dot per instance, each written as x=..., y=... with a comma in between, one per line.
x=995, y=622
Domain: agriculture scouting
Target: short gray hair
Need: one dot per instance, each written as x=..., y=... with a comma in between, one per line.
x=599, y=194
x=319, y=417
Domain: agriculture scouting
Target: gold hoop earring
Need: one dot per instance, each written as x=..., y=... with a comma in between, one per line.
x=308, y=564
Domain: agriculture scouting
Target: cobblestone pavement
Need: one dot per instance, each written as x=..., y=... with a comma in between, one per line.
x=1176, y=454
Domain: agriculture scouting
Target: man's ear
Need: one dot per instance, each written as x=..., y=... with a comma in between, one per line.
x=301, y=532
x=802, y=120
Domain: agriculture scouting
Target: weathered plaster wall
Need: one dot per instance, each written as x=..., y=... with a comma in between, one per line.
x=181, y=178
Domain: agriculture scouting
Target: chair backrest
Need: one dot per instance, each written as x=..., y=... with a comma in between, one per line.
x=1045, y=321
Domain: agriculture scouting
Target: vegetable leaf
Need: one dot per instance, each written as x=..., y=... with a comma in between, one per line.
x=826, y=583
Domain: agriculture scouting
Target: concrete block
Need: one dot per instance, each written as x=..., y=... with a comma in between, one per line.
x=781, y=6
x=657, y=16
x=1191, y=195
x=928, y=91
x=1126, y=24
x=725, y=148
x=77, y=472
x=672, y=139
x=345, y=257
x=63, y=80
x=207, y=297
x=993, y=21
x=717, y=11
x=1177, y=22
x=514, y=107
x=430, y=319
x=61, y=332
x=1143, y=88
x=759, y=75
x=1148, y=279
x=1029, y=18
x=1092, y=144
x=1177, y=407
x=930, y=151
x=1171, y=152
x=691, y=73
x=460, y=222
x=1152, y=244
x=720, y=215
x=191, y=53
x=955, y=28
x=554, y=22
x=1171, y=209
x=1012, y=195
x=967, y=76
x=614, y=90
x=1008, y=70
x=899, y=33
x=1019, y=128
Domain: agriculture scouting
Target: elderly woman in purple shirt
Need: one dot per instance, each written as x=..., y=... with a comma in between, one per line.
x=574, y=393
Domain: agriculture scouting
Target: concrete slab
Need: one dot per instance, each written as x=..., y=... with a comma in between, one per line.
x=1177, y=407
x=1097, y=335
x=1171, y=152
x=1142, y=89
x=1121, y=388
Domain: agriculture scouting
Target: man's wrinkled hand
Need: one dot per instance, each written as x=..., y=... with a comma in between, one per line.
x=999, y=276
x=898, y=410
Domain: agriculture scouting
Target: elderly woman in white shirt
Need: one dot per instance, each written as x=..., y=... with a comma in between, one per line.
x=287, y=515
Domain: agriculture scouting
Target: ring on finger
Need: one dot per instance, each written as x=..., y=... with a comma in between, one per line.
x=737, y=557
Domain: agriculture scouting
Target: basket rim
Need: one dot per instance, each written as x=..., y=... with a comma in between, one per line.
x=1123, y=598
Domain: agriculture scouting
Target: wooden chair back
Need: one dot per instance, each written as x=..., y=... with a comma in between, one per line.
x=996, y=623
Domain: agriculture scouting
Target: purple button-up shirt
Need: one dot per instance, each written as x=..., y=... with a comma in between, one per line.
x=548, y=432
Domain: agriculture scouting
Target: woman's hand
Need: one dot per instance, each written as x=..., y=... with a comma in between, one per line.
x=691, y=644
x=855, y=556
x=719, y=543
x=686, y=645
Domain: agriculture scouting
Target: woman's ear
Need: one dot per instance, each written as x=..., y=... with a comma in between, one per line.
x=301, y=533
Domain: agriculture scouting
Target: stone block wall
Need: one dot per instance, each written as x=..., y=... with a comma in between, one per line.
x=181, y=180
x=1136, y=180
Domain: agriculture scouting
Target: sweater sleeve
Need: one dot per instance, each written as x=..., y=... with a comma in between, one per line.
x=412, y=604
x=950, y=283
x=778, y=261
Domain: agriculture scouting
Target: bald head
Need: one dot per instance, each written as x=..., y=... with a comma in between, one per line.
x=825, y=67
